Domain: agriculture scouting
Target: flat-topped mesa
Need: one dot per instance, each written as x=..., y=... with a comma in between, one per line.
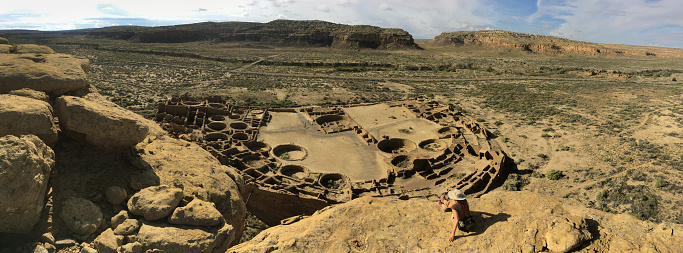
x=279, y=32
x=540, y=44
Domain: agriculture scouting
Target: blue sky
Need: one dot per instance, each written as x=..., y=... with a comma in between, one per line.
x=633, y=22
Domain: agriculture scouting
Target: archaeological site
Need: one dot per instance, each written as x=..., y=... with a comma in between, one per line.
x=89, y=165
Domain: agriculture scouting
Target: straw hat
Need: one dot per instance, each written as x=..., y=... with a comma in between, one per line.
x=456, y=195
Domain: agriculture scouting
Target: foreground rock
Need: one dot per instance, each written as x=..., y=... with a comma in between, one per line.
x=505, y=222
x=181, y=239
x=186, y=165
x=52, y=73
x=155, y=202
x=81, y=216
x=98, y=124
x=25, y=166
x=22, y=115
x=197, y=213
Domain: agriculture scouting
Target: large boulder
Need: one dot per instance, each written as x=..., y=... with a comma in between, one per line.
x=29, y=93
x=99, y=124
x=505, y=222
x=155, y=202
x=22, y=115
x=196, y=213
x=52, y=73
x=81, y=216
x=181, y=239
x=3, y=41
x=33, y=49
x=25, y=165
x=186, y=165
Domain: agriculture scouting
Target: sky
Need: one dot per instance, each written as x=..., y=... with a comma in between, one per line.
x=632, y=22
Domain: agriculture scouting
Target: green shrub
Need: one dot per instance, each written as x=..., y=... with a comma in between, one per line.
x=515, y=182
x=549, y=129
x=13, y=49
x=555, y=175
x=537, y=174
x=498, y=123
x=543, y=156
x=546, y=135
x=661, y=183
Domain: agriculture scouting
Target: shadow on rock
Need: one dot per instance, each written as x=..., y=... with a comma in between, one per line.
x=484, y=220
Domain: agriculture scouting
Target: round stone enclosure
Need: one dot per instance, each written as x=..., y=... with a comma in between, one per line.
x=295, y=171
x=333, y=181
x=215, y=136
x=433, y=145
x=396, y=145
x=401, y=161
x=216, y=126
x=235, y=116
x=290, y=152
x=239, y=125
x=254, y=161
x=257, y=146
x=330, y=118
x=240, y=136
x=217, y=118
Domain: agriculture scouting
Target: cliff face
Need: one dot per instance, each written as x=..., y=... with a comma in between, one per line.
x=505, y=222
x=538, y=44
x=280, y=32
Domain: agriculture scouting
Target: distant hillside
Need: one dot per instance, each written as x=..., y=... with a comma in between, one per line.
x=280, y=32
x=546, y=44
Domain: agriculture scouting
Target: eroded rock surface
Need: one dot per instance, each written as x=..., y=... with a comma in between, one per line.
x=505, y=222
x=81, y=216
x=197, y=213
x=51, y=73
x=155, y=202
x=100, y=125
x=25, y=166
x=181, y=239
x=22, y=115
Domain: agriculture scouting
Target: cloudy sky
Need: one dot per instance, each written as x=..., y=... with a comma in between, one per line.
x=634, y=22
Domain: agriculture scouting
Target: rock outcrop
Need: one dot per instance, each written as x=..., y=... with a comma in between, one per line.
x=181, y=239
x=280, y=32
x=23, y=115
x=505, y=222
x=106, y=127
x=25, y=166
x=196, y=213
x=52, y=73
x=533, y=43
x=155, y=202
x=81, y=216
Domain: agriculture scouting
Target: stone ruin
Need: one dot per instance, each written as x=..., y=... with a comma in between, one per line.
x=231, y=134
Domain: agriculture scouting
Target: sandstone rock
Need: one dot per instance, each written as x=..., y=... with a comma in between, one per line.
x=3, y=41
x=47, y=238
x=29, y=93
x=65, y=243
x=116, y=195
x=81, y=216
x=40, y=249
x=155, y=202
x=119, y=218
x=33, y=49
x=196, y=171
x=196, y=213
x=565, y=235
x=127, y=227
x=505, y=222
x=5, y=49
x=52, y=73
x=105, y=127
x=22, y=115
x=108, y=242
x=88, y=250
x=145, y=179
x=135, y=247
x=25, y=165
x=178, y=239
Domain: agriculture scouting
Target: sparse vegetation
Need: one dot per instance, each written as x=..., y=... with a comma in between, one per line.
x=555, y=175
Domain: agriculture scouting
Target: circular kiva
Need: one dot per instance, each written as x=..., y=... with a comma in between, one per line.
x=240, y=136
x=218, y=106
x=331, y=118
x=190, y=103
x=215, y=136
x=256, y=111
x=447, y=130
x=396, y=145
x=235, y=116
x=401, y=161
x=295, y=171
x=257, y=146
x=216, y=126
x=239, y=125
x=433, y=145
x=216, y=118
x=254, y=161
x=289, y=152
x=238, y=111
x=333, y=181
